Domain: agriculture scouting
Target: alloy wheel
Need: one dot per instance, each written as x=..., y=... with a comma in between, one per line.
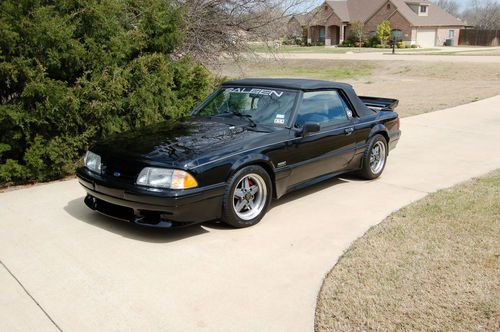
x=249, y=196
x=377, y=157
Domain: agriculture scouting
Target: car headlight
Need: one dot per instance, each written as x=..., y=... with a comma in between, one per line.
x=93, y=162
x=166, y=178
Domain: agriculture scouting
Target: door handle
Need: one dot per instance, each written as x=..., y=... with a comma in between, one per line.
x=348, y=131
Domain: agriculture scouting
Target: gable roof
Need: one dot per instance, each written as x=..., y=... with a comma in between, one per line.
x=340, y=8
x=303, y=19
x=362, y=10
x=436, y=16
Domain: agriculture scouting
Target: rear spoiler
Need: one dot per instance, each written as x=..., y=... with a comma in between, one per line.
x=380, y=104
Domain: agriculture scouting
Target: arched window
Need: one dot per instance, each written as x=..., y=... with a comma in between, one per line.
x=397, y=34
x=372, y=34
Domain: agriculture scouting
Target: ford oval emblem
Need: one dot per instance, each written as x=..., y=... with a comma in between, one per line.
x=116, y=173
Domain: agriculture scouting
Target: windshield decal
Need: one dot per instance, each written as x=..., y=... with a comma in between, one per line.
x=256, y=91
x=280, y=119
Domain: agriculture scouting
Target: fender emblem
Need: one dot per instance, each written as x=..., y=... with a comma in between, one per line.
x=282, y=164
x=116, y=173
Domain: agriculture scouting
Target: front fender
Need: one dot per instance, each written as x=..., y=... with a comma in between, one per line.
x=253, y=159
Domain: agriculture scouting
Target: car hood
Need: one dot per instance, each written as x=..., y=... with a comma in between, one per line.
x=174, y=142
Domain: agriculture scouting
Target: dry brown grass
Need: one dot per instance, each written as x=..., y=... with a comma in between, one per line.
x=432, y=266
x=421, y=87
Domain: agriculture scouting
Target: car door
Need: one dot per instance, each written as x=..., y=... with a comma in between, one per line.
x=329, y=150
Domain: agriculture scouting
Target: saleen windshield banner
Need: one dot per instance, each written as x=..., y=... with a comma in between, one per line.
x=256, y=91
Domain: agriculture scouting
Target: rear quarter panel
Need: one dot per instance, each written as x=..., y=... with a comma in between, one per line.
x=382, y=122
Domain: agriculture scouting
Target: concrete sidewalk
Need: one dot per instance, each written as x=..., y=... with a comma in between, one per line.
x=88, y=272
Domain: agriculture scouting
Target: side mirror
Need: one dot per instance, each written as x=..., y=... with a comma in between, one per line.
x=309, y=128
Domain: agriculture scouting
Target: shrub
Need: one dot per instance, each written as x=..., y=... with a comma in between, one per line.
x=295, y=41
x=414, y=46
x=317, y=43
x=359, y=44
x=400, y=44
x=347, y=43
x=75, y=71
x=372, y=42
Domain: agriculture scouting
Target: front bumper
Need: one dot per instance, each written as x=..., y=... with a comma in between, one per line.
x=148, y=207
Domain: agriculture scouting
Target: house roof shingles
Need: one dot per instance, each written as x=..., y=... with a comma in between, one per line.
x=302, y=18
x=340, y=8
x=436, y=15
x=362, y=10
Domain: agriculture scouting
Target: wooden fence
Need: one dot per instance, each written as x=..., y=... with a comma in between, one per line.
x=479, y=37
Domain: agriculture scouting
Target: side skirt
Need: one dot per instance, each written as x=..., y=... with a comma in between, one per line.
x=317, y=180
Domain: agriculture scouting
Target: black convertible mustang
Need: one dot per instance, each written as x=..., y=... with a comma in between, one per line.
x=250, y=141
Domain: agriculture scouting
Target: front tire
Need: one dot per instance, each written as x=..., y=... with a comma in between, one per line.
x=247, y=197
x=374, y=158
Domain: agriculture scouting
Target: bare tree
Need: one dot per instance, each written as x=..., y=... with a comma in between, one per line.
x=483, y=14
x=451, y=6
x=224, y=27
x=357, y=30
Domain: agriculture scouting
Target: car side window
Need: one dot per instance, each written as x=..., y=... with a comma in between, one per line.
x=326, y=107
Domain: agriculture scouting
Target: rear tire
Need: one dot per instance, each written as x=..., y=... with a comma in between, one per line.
x=374, y=158
x=247, y=197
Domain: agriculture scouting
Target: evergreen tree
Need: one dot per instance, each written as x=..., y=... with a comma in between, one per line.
x=73, y=71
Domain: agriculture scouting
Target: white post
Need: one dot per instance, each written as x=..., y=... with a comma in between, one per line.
x=342, y=30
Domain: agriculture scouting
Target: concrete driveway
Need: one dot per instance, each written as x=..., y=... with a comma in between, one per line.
x=82, y=271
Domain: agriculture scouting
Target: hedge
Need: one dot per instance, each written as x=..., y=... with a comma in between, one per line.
x=72, y=72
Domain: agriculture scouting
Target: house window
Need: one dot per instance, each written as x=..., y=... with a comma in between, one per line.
x=423, y=9
x=451, y=34
x=372, y=34
x=322, y=31
x=397, y=35
x=388, y=6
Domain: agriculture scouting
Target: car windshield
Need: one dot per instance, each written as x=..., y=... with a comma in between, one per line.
x=258, y=105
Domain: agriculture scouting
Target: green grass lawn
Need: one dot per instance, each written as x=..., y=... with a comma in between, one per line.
x=432, y=266
x=331, y=50
x=314, y=49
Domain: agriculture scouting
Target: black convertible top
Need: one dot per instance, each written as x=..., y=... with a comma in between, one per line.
x=288, y=83
x=305, y=85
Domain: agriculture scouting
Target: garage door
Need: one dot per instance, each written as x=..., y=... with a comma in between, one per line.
x=426, y=38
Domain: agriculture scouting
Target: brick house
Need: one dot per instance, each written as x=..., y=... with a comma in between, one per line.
x=412, y=21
